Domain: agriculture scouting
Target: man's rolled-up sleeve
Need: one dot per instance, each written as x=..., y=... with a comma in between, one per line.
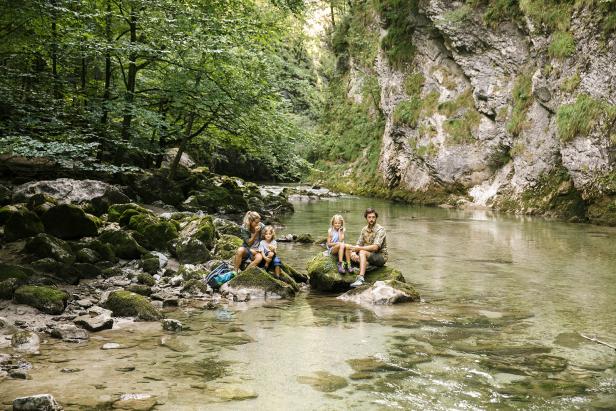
x=379, y=238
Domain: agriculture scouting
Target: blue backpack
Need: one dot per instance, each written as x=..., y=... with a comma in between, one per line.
x=221, y=274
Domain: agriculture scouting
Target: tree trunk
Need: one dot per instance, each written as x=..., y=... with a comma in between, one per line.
x=131, y=78
x=107, y=92
x=331, y=12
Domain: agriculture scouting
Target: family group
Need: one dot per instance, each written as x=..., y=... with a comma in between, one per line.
x=259, y=246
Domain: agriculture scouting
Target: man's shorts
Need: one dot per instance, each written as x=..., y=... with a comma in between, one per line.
x=376, y=259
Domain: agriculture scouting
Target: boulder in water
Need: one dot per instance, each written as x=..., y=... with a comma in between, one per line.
x=259, y=283
x=127, y=304
x=40, y=402
x=49, y=300
x=25, y=341
x=324, y=275
x=69, y=222
x=381, y=293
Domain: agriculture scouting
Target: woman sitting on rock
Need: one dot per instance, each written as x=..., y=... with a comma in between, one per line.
x=251, y=235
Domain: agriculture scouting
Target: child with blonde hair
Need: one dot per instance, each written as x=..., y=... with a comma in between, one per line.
x=268, y=248
x=251, y=235
x=336, y=245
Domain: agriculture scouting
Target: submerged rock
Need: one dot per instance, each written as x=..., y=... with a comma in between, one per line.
x=127, y=304
x=259, y=284
x=47, y=299
x=40, y=402
x=381, y=293
x=324, y=275
x=324, y=381
x=25, y=341
x=170, y=324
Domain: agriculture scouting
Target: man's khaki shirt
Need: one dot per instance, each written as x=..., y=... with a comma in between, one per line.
x=374, y=236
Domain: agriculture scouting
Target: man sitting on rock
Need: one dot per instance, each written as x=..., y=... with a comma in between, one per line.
x=371, y=246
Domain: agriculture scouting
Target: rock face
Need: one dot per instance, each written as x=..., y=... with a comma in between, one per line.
x=381, y=293
x=490, y=109
x=324, y=275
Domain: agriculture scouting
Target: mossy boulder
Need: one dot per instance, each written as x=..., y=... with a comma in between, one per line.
x=155, y=233
x=226, y=246
x=304, y=238
x=260, y=284
x=224, y=226
x=192, y=251
x=115, y=212
x=5, y=195
x=15, y=271
x=603, y=210
x=104, y=250
x=226, y=199
x=201, y=229
x=8, y=287
x=69, y=222
x=44, y=245
x=123, y=243
x=87, y=270
x=87, y=255
x=324, y=275
x=140, y=289
x=146, y=279
x=49, y=300
x=194, y=286
x=293, y=273
x=127, y=304
x=20, y=223
x=150, y=264
x=382, y=293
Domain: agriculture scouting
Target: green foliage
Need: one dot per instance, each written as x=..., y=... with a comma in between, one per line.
x=562, y=45
x=551, y=15
x=579, y=118
x=459, y=15
x=570, y=84
x=463, y=118
x=356, y=35
x=413, y=83
x=430, y=103
x=407, y=112
x=522, y=100
x=397, y=16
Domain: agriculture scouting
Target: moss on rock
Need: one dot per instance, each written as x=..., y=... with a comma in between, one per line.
x=47, y=299
x=20, y=223
x=44, y=245
x=227, y=245
x=69, y=222
x=156, y=233
x=256, y=278
x=324, y=275
x=115, y=211
x=140, y=289
x=8, y=287
x=123, y=243
x=15, y=271
x=128, y=304
x=146, y=279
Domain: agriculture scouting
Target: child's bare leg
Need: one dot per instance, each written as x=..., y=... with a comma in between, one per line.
x=340, y=252
x=347, y=255
x=277, y=271
x=256, y=260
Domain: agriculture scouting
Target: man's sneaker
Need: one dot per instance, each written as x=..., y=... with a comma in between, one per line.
x=358, y=281
x=341, y=269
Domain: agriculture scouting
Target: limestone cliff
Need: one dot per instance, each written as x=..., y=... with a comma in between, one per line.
x=514, y=111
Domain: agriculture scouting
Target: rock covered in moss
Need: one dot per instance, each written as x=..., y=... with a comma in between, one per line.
x=155, y=233
x=293, y=273
x=8, y=287
x=126, y=304
x=226, y=246
x=304, y=238
x=69, y=222
x=192, y=251
x=147, y=279
x=259, y=283
x=140, y=289
x=324, y=275
x=25, y=341
x=226, y=199
x=15, y=271
x=87, y=255
x=49, y=300
x=381, y=293
x=150, y=264
x=20, y=223
x=123, y=244
x=200, y=228
x=115, y=213
x=195, y=286
x=224, y=226
x=46, y=246
x=5, y=195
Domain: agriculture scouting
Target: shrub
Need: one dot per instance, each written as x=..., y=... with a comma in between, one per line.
x=579, y=118
x=522, y=99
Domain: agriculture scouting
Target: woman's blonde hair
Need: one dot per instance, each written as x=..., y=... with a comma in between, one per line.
x=249, y=217
x=337, y=217
x=267, y=229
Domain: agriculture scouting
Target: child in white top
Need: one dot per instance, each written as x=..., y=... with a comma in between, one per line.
x=336, y=245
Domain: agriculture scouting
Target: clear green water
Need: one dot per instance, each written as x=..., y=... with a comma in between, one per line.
x=504, y=301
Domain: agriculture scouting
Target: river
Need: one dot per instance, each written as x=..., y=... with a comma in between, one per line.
x=504, y=301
